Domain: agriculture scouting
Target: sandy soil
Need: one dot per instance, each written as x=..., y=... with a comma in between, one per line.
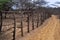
x=50, y=31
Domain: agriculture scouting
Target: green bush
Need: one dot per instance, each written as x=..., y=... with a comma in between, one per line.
x=2, y=2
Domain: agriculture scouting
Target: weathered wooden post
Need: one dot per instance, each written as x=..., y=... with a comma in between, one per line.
x=21, y=14
x=41, y=18
x=0, y=21
x=37, y=20
x=14, y=32
x=5, y=14
x=45, y=15
x=28, y=23
x=32, y=21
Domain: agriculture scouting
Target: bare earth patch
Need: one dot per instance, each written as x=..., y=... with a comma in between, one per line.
x=50, y=31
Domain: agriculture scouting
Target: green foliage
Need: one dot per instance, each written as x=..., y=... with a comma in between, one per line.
x=2, y=2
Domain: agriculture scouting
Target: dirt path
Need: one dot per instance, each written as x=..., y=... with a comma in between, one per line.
x=50, y=31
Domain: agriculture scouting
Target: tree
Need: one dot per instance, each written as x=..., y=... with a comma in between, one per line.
x=38, y=3
x=3, y=4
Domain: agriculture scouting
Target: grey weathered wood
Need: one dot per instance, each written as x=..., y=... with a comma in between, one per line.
x=14, y=32
x=37, y=19
x=21, y=24
x=32, y=21
x=28, y=23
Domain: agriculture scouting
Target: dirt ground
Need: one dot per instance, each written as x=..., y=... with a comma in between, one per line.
x=50, y=30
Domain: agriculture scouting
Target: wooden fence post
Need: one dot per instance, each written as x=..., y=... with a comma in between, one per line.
x=14, y=32
x=37, y=19
x=5, y=14
x=28, y=23
x=21, y=24
x=0, y=21
x=41, y=18
x=32, y=21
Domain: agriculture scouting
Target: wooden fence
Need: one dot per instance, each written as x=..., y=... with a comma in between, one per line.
x=32, y=19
